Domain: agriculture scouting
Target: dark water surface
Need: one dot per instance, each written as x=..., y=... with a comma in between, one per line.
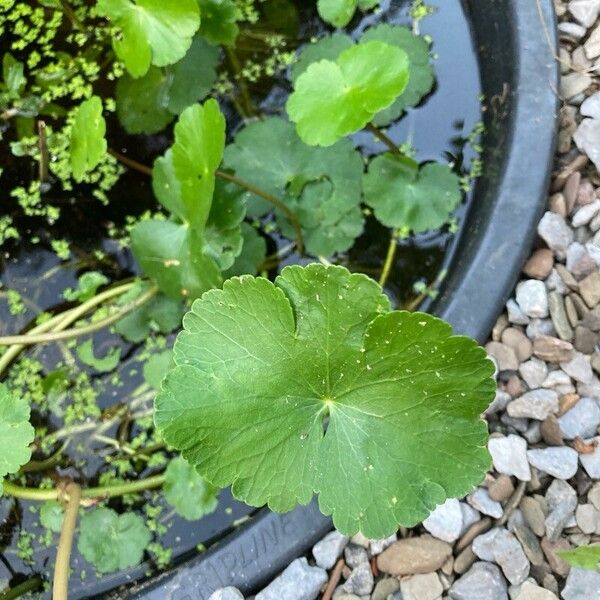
x=436, y=129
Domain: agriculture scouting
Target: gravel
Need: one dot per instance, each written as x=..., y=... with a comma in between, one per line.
x=228, y=593
x=580, y=421
x=532, y=298
x=509, y=455
x=558, y=462
x=329, y=549
x=482, y=580
x=299, y=581
x=537, y=404
x=582, y=585
x=446, y=521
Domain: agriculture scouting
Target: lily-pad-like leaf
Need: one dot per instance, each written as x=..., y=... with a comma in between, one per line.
x=112, y=542
x=156, y=367
x=219, y=21
x=340, y=12
x=88, y=144
x=334, y=99
x=87, y=286
x=418, y=202
x=151, y=31
x=421, y=77
x=584, y=557
x=52, y=516
x=147, y=104
x=328, y=47
x=322, y=186
x=254, y=251
x=105, y=364
x=16, y=433
x=187, y=492
x=262, y=367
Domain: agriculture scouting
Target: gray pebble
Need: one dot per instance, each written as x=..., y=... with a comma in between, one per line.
x=228, y=593
x=329, y=549
x=515, y=314
x=536, y=404
x=299, y=581
x=555, y=232
x=355, y=555
x=482, y=580
x=421, y=587
x=360, y=581
x=581, y=421
x=587, y=138
x=480, y=500
x=510, y=456
x=533, y=372
x=579, y=368
x=446, y=521
x=591, y=462
x=582, y=585
x=532, y=297
x=558, y=462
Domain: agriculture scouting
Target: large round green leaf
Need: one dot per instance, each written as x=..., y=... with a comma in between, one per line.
x=219, y=19
x=334, y=99
x=152, y=31
x=337, y=12
x=262, y=368
x=328, y=47
x=418, y=202
x=15, y=433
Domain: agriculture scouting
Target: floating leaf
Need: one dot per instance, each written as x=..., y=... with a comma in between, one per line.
x=161, y=314
x=262, y=367
x=88, y=144
x=147, y=104
x=322, y=186
x=219, y=18
x=187, y=492
x=52, y=516
x=584, y=557
x=85, y=352
x=334, y=99
x=328, y=47
x=151, y=31
x=156, y=367
x=337, y=12
x=87, y=286
x=15, y=433
x=112, y=542
x=254, y=251
x=418, y=202
x=421, y=77
x=13, y=73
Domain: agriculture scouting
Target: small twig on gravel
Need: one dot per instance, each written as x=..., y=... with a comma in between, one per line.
x=512, y=503
x=334, y=579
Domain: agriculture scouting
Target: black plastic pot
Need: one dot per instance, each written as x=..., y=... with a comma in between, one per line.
x=515, y=41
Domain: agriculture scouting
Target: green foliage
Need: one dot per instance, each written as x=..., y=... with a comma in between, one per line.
x=254, y=251
x=421, y=77
x=219, y=19
x=112, y=542
x=87, y=286
x=151, y=31
x=161, y=314
x=156, y=367
x=584, y=557
x=109, y=362
x=328, y=48
x=52, y=516
x=404, y=196
x=332, y=99
x=13, y=74
x=88, y=143
x=149, y=103
x=340, y=12
x=184, y=257
x=262, y=366
x=15, y=433
x=187, y=492
x=322, y=186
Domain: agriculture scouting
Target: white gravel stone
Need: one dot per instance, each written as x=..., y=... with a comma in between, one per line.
x=531, y=591
x=587, y=138
x=470, y=516
x=378, y=546
x=360, y=581
x=591, y=462
x=510, y=456
x=592, y=44
x=500, y=401
x=591, y=106
x=228, y=593
x=579, y=368
x=482, y=580
x=515, y=314
x=421, y=587
x=532, y=297
x=555, y=232
x=509, y=555
x=556, y=378
x=537, y=404
x=588, y=518
x=483, y=545
x=585, y=214
x=582, y=585
x=298, y=582
x=329, y=549
x=560, y=493
x=446, y=521
x=533, y=372
x=559, y=462
x=581, y=421
x=480, y=500
x=585, y=11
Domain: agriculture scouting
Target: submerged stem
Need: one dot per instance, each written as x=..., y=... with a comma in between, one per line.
x=129, y=162
x=60, y=586
x=381, y=136
x=389, y=259
x=247, y=106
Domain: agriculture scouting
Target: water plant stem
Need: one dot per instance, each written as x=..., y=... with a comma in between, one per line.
x=389, y=259
x=129, y=162
x=60, y=585
x=247, y=105
x=381, y=136
x=97, y=493
x=29, y=585
x=62, y=333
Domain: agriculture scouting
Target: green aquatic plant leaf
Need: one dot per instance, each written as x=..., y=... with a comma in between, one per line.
x=187, y=492
x=401, y=198
x=156, y=367
x=334, y=99
x=105, y=364
x=584, y=557
x=322, y=186
x=13, y=74
x=161, y=314
x=252, y=256
x=16, y=433
x=87, y=286
x=340, y=12
x=421, y=77
x=147, y=104
x=219, y=21
x=151, y=31
x=263, y=367
x=88, y=142
x=52, y=516
x=328, y=48
x=112, y=542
